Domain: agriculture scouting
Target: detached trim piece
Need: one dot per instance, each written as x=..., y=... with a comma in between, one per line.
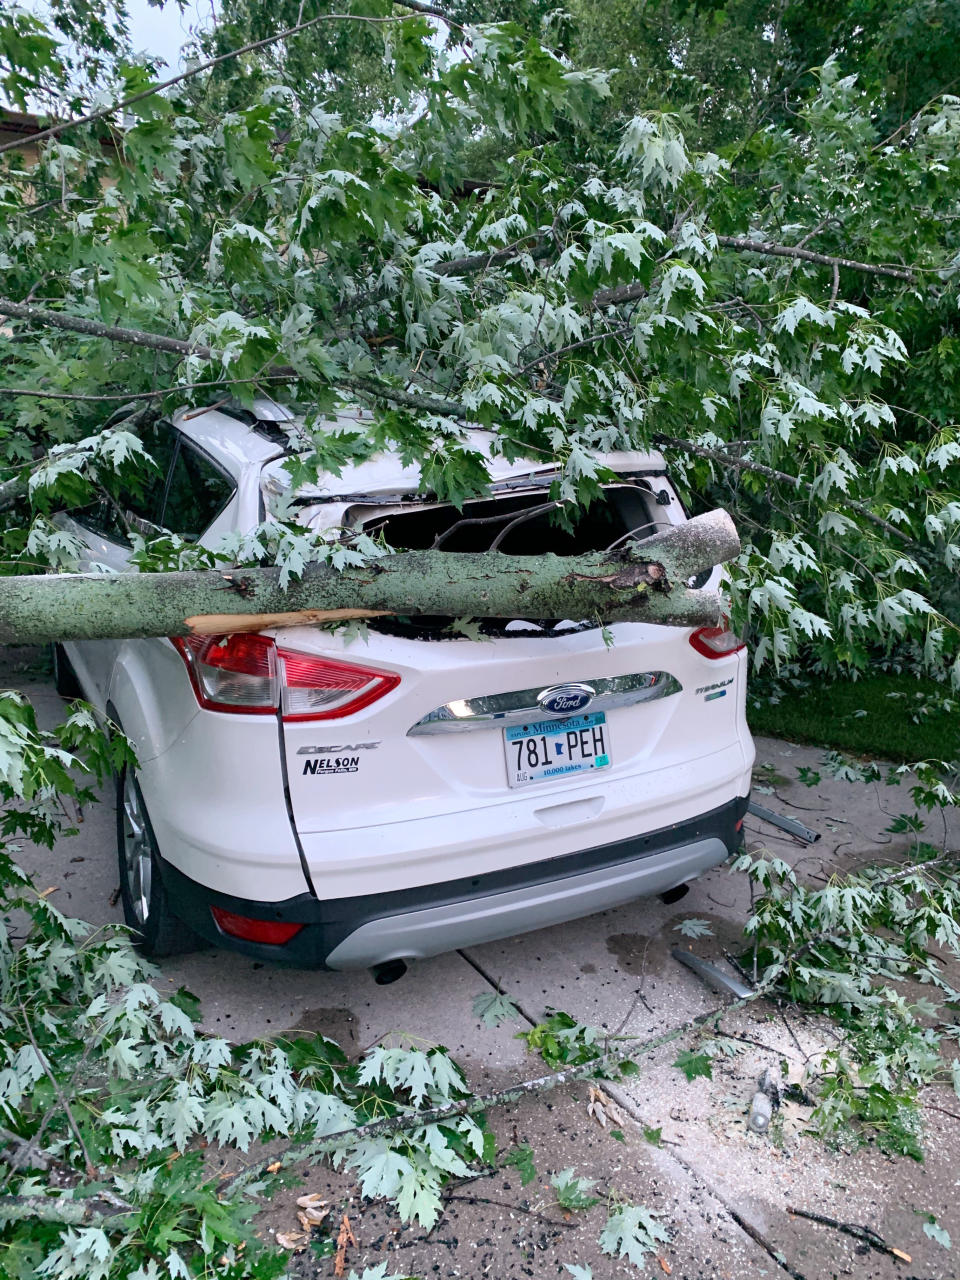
x=499, y=710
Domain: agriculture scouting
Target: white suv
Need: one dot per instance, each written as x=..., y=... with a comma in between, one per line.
x=321, y=802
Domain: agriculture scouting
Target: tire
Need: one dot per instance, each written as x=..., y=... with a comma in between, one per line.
x=157, y=931
x=64, y=677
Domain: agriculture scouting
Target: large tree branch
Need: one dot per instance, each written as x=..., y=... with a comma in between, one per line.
x=619, y=293
x=645, y=582
x=59, y=1209
x=63, y=1211
x=147, y=341
x=615, y=295
x=745, y=245
x=784, y=477
x=313, y=1150
x=97, y=329
x=465, y=266
x=409, y=399
x=103, y=113
x=125, y=396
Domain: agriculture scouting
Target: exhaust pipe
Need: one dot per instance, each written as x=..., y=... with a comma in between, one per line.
x=669, y=896
x=389, y=971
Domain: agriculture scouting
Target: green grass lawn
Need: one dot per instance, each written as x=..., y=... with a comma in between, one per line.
x=894, y=727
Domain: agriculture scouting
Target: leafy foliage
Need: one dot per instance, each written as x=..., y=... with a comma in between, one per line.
x=770, y=297
x=633, y=1232
x=493, y=1007
x=609, y=288
x=573, y=1192
x=858, y=948
x=694, y=1065
x=520, y=1157
x=109, y=1081
x=691, y=927
x=562, y=1041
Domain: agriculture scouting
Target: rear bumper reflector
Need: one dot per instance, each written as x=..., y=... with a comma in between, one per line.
x=272, y=932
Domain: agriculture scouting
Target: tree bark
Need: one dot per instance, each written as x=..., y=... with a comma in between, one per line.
x=645, y=583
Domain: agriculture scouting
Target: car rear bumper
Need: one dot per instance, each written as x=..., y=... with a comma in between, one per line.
x=346, y=933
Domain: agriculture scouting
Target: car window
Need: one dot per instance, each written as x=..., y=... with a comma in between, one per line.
x=143, y=495
x=138, y=497
x=197, y=493
x=103, y=518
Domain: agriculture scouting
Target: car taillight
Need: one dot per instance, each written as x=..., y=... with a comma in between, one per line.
x=232, y=673
x=250, y=674
x=715, y=642
x=275, y=932
x=315, y=688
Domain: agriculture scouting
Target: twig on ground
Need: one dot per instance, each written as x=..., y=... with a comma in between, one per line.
x=506, y=1204
x=807, y=808
x=731, y=959
x=91, y=1168
x=942, y=1110
x=638, y=998
x=866, y=1234
x=767, y=1048
x=59, y=1209
x=791, y=1033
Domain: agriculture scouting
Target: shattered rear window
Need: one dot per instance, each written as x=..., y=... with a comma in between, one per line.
x=518, y=524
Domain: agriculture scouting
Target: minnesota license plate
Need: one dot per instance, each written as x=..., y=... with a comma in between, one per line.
x=545, y=749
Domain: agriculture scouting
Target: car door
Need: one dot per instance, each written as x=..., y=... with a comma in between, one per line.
x=104, y=528
x=198, y=495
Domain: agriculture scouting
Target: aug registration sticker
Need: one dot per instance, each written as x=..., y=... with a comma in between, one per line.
x=545, y=749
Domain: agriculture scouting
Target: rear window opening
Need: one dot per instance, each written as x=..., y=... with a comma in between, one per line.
x=518, y=524
x=522, y=524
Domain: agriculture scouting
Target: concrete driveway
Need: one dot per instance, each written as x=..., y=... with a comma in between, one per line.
x=725, y=1193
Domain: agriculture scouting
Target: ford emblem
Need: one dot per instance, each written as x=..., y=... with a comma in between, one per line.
x=566, y=699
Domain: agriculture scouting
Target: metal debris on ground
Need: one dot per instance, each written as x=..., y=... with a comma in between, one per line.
x=766, y=1100
x=761, y=1112
x=715, y=978
x=790, y=825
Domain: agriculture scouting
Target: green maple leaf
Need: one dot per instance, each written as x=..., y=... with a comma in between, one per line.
x=493, y=1007
x=694, y=1064
x=521, y=1158
x=632, y=1232
x=573, y=1192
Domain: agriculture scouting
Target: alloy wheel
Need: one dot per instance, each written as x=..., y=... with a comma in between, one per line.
x=137, y=851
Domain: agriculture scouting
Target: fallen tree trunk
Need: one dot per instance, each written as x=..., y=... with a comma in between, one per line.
x=645, y=583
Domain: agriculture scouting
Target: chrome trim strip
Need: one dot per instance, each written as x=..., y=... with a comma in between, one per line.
x=499, y=710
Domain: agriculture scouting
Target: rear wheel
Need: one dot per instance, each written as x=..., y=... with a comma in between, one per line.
x=64, y=677
x=146, y=908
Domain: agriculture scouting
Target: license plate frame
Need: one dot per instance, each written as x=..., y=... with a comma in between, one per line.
x=556, y=740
